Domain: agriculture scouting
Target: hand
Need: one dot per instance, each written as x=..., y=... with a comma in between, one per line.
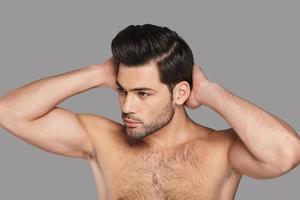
x=108, y=70
x=199, y=80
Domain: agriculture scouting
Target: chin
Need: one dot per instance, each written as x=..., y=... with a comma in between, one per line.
x=136, y=135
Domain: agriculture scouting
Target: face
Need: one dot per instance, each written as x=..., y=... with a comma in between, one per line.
x=146, y=103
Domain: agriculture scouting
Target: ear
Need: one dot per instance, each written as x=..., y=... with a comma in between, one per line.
x=181, y=92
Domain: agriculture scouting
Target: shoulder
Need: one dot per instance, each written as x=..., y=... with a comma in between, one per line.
x=226, y=136
x=101, y=129
x=96, y=121
x=222, y=140
x=106, y=136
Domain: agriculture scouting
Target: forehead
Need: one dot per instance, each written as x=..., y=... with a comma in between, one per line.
x=139, y=76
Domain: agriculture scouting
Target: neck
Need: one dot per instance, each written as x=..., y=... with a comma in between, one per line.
x=178, y=131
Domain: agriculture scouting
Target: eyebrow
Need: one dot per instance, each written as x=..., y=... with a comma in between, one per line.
x=136, y=89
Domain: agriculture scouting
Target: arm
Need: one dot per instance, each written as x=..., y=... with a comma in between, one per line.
x=31, y=113
x=265, y=146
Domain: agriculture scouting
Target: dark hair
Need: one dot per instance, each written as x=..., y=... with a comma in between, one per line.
x=139, y=44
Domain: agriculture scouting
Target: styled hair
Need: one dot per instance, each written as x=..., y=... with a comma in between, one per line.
x=140, y=44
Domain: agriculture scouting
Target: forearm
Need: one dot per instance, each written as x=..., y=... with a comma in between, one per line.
x=33, y=100
x=268, y=138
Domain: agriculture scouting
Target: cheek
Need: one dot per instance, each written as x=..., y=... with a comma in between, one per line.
x=151, y=110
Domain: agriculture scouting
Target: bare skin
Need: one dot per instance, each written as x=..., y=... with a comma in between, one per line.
x=196, y=169
x=165, y=155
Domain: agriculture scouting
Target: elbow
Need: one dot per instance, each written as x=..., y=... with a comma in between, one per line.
x=5, y=118
x=291, y=158
x=1, y=114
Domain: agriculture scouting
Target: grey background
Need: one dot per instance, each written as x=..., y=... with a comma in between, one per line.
x=251, y=48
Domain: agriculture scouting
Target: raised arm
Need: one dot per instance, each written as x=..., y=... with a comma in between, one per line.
x=30, y=112
x=264, y=146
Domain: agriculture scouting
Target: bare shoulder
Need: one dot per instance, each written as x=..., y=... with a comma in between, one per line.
x=217, y=140
x=103, y=132
x=222, y=140
x=92, y=121
x=227, y=138
x=224, y=136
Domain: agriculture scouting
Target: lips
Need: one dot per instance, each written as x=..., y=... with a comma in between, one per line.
x=131, y=123
x=130, y=120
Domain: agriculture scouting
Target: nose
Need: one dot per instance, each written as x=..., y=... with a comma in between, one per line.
x=128, y=104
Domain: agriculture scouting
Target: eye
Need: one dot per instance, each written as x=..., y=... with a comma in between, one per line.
x=121, y=90
x=143, y=94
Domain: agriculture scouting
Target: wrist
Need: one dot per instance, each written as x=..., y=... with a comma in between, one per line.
x=208, y=92
x=106, y=73
x=98, y=75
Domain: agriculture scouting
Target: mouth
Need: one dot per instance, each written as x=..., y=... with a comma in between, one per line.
x=131, y=123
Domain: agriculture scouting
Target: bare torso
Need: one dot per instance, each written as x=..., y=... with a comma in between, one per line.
x=196, y=170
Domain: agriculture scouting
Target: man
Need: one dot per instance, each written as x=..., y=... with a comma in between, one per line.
x=159, y=153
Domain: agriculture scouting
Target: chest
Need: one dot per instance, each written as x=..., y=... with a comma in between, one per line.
x=185, y=173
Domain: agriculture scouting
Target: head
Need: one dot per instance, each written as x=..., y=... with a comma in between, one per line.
x=154, y=77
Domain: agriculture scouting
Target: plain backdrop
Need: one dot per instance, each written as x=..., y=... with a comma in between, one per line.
x=249, y=47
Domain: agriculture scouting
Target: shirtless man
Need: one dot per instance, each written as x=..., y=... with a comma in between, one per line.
x=159, y=153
